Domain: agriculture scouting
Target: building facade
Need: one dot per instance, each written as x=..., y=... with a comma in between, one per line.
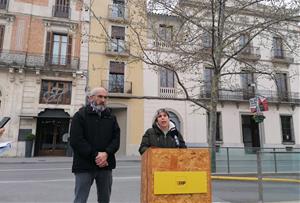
x=235, y=124
x=112, y=65
x=42, y=73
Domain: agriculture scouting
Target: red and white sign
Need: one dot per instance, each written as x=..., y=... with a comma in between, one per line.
x=258, y=104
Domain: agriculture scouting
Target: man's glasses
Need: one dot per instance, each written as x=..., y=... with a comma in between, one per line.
x=101, y=96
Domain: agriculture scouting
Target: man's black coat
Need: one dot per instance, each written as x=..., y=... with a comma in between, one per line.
x=91, y=133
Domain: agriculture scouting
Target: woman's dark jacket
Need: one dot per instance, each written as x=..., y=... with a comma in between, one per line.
x=154, y=137
x=91, y=133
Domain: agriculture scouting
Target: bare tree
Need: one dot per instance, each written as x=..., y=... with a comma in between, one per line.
x=221, y=38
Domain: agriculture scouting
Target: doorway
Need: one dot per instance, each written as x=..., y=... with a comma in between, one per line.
x=51, y=133
x=121, y=115
x=250, y=130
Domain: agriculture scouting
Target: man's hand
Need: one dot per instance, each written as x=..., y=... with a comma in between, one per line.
x=101, y=159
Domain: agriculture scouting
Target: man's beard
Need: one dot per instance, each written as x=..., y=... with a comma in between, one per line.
x=98, y=108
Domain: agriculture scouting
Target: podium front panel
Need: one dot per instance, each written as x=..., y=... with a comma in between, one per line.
x=175, y=176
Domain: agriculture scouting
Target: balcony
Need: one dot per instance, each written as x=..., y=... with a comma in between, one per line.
x=156, y=44
x=162, y=44
x=117, y=12
x=3, y=4
x=40, y=61
x=167, y=92
x=117, y=47
x=250, y=53
x=282, y=56
x=118, y=87
x=244, y=95
x=61, y=11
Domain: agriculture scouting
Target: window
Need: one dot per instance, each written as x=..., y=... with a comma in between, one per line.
x=244, y=39
x=281, y=83
x=58, y=49
x=248, y=85
x=118, y=9
x=117, y=39
x=219, y=137
x=55, y=92
x=165, y=32
x=287, y=129
x=166, y=78
x=3, y=4
x=278, y=47
x=206, y=39
x=116, y=77
x=62, y=8
x=174, y=118
x=2, y=31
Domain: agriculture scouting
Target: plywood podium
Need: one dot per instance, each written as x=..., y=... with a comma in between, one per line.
x=175, y=176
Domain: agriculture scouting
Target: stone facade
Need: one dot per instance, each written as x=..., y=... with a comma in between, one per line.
x=43, y=73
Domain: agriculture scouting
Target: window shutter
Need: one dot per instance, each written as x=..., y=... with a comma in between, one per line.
x=2, y=31
x=116, y=68
x=69, y=51
x=121, y=2
x=48, y=47
x=118, y=32
x=170, y=78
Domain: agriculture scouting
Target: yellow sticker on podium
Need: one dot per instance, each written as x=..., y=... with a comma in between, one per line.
x=180, y=182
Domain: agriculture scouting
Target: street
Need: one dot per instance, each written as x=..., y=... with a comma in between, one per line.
x=54, y=182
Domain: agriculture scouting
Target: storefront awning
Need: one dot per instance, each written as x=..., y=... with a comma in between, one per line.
x=53, y=113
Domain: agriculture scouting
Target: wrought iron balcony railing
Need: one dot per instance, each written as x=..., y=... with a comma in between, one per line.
x=117, y=12
x=282, y=56
x=160, y=45
x=245, y=95
x=19, y=58
x=116, y=86
x=61, y=11
x=117, y=47
x=3, y=4
x=250, y=52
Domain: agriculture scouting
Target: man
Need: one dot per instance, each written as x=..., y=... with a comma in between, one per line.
x=95, y=138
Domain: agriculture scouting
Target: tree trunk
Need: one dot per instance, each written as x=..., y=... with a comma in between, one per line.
x=213, y=123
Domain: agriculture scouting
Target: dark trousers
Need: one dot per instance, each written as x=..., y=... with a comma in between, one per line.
x=84, y=181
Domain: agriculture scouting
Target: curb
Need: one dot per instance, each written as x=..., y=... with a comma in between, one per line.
x=34, y=160
x=237, y=178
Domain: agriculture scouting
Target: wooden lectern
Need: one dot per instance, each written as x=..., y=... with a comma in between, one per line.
x=175, y=176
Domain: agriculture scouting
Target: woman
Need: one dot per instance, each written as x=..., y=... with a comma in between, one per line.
x=162, y=134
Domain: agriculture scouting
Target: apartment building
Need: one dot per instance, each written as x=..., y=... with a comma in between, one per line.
x=235, y=126
x=43, y=66
x=112, y=65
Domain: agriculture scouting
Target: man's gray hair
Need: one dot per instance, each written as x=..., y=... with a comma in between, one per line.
x=95, y=90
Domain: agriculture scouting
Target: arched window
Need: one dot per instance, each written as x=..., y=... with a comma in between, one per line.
x=175, y=119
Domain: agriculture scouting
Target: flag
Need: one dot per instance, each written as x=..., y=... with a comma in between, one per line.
x=253, y=104
x=263, y=104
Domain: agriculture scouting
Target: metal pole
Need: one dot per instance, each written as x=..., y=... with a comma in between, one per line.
x=275, y=160
x=259, y=176
x=228, y=162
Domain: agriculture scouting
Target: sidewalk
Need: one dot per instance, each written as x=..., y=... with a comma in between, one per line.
x=20, y=160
